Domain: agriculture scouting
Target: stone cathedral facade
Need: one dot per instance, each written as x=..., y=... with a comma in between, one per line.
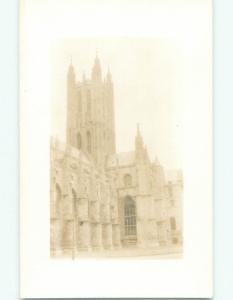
x=100, y=199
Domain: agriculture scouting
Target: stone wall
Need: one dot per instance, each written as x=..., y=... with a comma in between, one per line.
x=84, y=213
x=87, y=205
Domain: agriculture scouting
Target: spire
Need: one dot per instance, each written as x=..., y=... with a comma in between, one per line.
x=156, y=161
x=139, y=136
x=109, y=76
x=71, y=73
x=146, y=155
x=138, y=139
x=139, y=147
x=96, y=70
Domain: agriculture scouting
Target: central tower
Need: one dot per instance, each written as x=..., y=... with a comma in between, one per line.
x=90, y=124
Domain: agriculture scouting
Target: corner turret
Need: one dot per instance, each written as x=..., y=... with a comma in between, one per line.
x=96, y=74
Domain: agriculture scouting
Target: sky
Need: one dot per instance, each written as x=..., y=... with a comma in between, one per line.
x=148, y=76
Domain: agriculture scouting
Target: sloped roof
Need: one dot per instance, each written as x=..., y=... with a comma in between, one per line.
x=67, y=150
x=121, y=159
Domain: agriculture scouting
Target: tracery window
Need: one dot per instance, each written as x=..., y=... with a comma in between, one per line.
x=173, y=223
x=127, y=180
x=130, y=217
x=79, y=102
x=88, y=101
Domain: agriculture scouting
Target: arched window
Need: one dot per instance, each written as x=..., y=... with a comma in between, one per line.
x=79, y=141
x=173, y=223
x=130, y=217
x=88, y=101
x=127, y=180
x=89, y=141
x=74, y=195
x=79, y=102
x=58, y=198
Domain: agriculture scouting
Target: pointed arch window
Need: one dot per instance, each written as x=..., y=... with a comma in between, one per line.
x=79, y=141
x=88, y=101
x=79, y=102
x=89, y=141
x=130, y=217
x=127, y=180
x=173, y=223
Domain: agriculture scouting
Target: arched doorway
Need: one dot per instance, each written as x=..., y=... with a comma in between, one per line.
x=130, y=217
x=173, y=223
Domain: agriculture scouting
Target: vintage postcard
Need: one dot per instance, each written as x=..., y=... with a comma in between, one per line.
x=111, y=196
x=116, y=148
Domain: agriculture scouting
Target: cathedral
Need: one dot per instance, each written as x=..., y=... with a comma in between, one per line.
x=100, y=200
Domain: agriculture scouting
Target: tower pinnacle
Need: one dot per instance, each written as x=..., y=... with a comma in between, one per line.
x=96, y=70
x=71, y=73
x=109, y=75
x=138, y=139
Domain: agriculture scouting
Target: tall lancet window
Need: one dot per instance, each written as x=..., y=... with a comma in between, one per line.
x=127, y=180
x=89, y=141
x=79, y=141
x=173, y=223
x=79, y=102
x=88, y=102
x=130, y=217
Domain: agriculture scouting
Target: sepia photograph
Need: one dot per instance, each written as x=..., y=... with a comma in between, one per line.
x=116, y=149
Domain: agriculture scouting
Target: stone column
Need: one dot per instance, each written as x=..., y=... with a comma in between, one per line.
x=84, y=242
x=84, y=232
x=140, y=233
x=55, y=237
x=67, y=236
